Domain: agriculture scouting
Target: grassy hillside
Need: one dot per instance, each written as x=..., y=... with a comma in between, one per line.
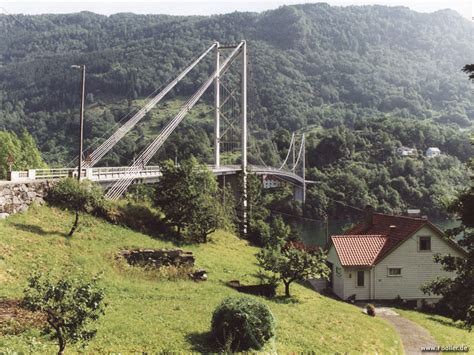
x=149, y=314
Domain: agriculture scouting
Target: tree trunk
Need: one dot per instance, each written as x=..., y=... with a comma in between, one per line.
x=76, y=222
x=287, y=288
x=62, y=342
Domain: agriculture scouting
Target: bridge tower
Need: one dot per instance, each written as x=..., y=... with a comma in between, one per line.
x=217, y=107
x=244, y=137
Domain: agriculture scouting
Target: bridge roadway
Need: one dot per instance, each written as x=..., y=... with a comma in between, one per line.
x=149, y=174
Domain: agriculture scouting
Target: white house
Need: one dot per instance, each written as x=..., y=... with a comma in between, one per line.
x=432, y=152
x=406, y=152
x=270, y=182
x=386, y=257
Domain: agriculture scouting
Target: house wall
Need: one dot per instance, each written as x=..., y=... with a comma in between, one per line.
x=338, y=274
x=418, y=267
x=350, y=282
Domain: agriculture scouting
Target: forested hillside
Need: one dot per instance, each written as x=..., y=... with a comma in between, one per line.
x=357, y=76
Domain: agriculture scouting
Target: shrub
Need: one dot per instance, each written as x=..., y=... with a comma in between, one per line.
x=370, y=309
x=241, y=323
x=136, y=216
x=84, y=196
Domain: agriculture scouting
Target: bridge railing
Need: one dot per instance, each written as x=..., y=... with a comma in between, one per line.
x=94, y=174
x=51, y=173
x=115, y=173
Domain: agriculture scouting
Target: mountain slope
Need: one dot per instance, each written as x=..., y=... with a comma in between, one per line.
x=360, y=61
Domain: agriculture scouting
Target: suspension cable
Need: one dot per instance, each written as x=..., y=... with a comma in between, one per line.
x=105, y=147
x=121, y=185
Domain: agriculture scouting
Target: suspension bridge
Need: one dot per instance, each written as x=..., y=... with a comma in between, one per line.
x=230, y=111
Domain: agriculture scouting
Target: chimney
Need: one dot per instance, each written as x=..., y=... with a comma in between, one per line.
x=369, y=217
x=392, y=229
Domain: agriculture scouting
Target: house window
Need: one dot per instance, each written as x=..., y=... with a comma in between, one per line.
x=425, y=244
x=360, y=279
x=394, y=271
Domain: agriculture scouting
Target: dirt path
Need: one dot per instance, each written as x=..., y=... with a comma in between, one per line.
x=413, y=336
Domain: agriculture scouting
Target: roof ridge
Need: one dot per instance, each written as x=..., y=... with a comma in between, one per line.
x=358, y=235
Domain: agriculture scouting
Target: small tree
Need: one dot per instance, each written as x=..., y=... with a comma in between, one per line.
x=69, y=306
x=290, y=264
x=83, y=196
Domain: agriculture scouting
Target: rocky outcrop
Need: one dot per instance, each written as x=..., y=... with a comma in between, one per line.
x=159, y=257
x=17, y=197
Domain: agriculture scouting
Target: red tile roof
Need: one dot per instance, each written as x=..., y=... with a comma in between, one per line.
x=366, y=245
x=404, y=228
x=358, y=250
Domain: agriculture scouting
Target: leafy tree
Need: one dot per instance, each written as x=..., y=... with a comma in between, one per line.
x=188, y=195
x=84, y=196
x=290, y=264
x=21, y=151
x=257, y=213
x=69, y=305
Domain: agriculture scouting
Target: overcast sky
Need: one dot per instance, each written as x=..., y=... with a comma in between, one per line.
x=207, y=7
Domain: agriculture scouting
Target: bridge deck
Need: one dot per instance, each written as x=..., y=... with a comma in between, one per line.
x=111, y=174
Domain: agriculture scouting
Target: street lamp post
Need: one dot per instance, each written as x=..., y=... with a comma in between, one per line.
x=81, y=117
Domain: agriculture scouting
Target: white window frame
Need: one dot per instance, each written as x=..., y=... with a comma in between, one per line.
x=419, y=243
x=357, y=278
x=394, y=267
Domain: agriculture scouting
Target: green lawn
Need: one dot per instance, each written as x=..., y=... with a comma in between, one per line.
x=147, y=314
x=443, y=329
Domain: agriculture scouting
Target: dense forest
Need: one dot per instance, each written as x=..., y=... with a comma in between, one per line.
x=361, y=81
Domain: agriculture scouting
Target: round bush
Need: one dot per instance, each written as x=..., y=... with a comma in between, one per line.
x=241, y=323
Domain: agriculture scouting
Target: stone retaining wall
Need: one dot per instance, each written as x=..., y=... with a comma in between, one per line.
x=158, y=257
x=17, y=197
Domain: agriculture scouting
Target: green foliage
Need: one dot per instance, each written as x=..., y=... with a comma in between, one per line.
x=371, y=171
x=291, y=264
x=258, y=231
x=70, y=305
x=457, y=292
x=138, y=216
x=188, y=195
x=21, y=152
x=242, y=323
x=84, y=197
x=279, y=233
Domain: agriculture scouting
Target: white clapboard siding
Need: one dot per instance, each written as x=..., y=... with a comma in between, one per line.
x=418, y=267
x=350, y=286
x=337, y=277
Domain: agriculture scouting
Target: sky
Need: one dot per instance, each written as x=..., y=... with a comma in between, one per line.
x=209, y=7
